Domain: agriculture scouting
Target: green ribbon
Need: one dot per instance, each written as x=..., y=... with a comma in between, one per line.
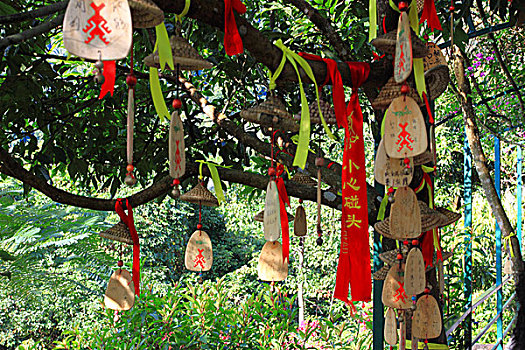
x=304, y=128
x=156, y=94
x=382, y=208
x=372, y=15
x=383, y=124
x=184, y=11
x=412, y=16
x=419, y=76
x=163, y=45
x=394, y=6
x=215, y=177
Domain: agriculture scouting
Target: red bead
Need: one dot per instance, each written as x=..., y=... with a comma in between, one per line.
x=426, y=340
x=176, y=103
x=405, y=242
x=425, y=36
x=300, y=201
x=199, y=226
x=399, y=256
x=407, y=161
x=176, y=182
x=403, y=6
x=427, y=290
x=452, y=8
x=415, y=242
x=131, y=80
x=390, y=190
x=120, y=263
x=271, y=171
x=130, y=168
x=405, y=89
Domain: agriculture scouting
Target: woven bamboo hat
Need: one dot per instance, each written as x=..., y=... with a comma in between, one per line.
x=387, y=44
x=260, y=216
x=271, y=112
x=326, y=108
x=380, y=274
x=450, y=217
x=390, y=257
x=423, y=158
x=437, y=75
x=145, y=14
x=392, y=90
x=200, y=195
x=183, y=54
x=118, y=232
x=303, y=179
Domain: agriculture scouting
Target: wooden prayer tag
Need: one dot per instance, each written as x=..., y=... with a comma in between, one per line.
x=176, y=151
x=507, y=267
x=392, y=172
x=403, y=55
x=426, y=323
x=199, y=253
x=299, y=223
x=390, y=331
x=393, y=291
x=98, y=29
x=272, y=218
x=120, y=292
x=271, y=266
x=405, y=216
x=415, y=280
x=405, y=132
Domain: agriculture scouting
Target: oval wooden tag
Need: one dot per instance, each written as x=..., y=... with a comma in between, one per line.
x=507, y=267
x=199, y=252
x=98, y=29
x=120, y=292
x=403, y=55
x=426, y=323
x=415, y=279
x=299, y=223
x=176, y=147
x=393, y=291
x=392, y=172
x=405, y=132
x=405, y=216
x=271, y=266
x=390, y=331
x=272, y=218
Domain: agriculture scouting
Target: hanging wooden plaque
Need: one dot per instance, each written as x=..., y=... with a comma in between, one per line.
x=394, y=294
x=426, y=323
x=176, y=151
x=199, y=252
x=390, y=331
x=272, y=218
x=98, y=29
x=405, y=132
x=403, y=55
x=507, y=267
x=271, y=266
x=120, y=292
x=405, y=216
x=392, y=172
x=415, y=280
x=299, y=223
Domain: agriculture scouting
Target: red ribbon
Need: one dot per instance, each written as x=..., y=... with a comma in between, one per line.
x=128, y=220
x=429, y=111
x=430, y=15
x=338, y=92
x=354, y=257
x=283, y=199
x=232, y=39
x=427, y=248
x=109, y=72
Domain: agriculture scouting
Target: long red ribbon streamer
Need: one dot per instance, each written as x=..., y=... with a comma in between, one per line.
x=427, y=248
x=429, y=111
x=128, y=220
x=430, y=15
x=283, y=199
x=109, y=72
x=354, y=257
x=232, y=39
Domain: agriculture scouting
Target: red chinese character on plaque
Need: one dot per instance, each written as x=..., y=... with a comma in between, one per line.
x=97, y=26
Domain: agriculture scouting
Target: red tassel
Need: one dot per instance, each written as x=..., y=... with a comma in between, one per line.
x=283, y=199
x=128, y=220
x=109, y=79
x=430, y=15
x=427, y=248
x=232, y=39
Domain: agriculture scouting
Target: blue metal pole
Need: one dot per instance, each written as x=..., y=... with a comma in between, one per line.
x=467, y=271
x=519, y=169
x=497, y=183
x=378, y=318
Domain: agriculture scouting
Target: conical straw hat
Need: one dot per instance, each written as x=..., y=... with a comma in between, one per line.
x=200, y=195
x=390, y=257
x=326, y=108
x=450, y=217
x=118, y=232
x=303, y=179
x=437, y=75
x=183, y=54
x=264, y=113
x=145, y=14
x=260, y=216
x=387, y=44
x=392, y=90
x=380, y=274
x=423, y=158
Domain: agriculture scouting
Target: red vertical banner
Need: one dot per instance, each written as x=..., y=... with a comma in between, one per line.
x=354, y=268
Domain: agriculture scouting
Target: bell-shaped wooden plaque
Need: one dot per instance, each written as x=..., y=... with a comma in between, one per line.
x=199, y=252
x=405, y=215
x=120, y=292
x=403, y=55
x=176, y=147
x=392, y=172
x=271, y=266
x=390, y=331
x=415, y=280
x=394, y=294
x=426, y=323
x=299, y=223
x=272, y=218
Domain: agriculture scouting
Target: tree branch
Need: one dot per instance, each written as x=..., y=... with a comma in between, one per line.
x=40, y=12
x=31, y=33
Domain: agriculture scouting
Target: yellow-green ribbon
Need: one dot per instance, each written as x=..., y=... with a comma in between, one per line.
x=393, y=5
x=156, y=94
x=304, y=128
x=215, y=178
x=162, y=44
x=431, y=346
x=372, y=18
x=382, y=208
x=412, y=16
x=383, y=124
x=184, y=11
x=427, y=169
x=506, y=241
